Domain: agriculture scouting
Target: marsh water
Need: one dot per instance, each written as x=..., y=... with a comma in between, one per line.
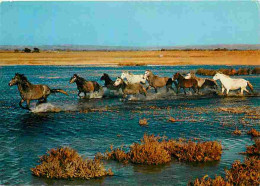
x=91, y=126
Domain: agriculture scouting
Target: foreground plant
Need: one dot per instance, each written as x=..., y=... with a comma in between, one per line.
x=154, y=150
x=253, y=150
x=246, y=173
x=67, y=163
x=254, y=133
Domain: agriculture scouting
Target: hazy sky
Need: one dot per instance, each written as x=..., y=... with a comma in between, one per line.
x=129, y=23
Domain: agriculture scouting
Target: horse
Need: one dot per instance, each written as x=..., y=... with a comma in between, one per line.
x=29, y=91
x=158, y=82
x=132, y=78
x=130, y=89
x=108, y=82
x=185, y=83
x=203, y=82
x=84, y=85
x=232, y=84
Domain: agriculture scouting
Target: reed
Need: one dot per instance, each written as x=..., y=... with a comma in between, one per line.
x=154, y=150
x=237, y=132
x=143, y=122
x=246, y=173
x=253, y=150
x=66, y=163
x=253, y=132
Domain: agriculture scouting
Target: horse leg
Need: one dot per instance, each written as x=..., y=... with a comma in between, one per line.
x=155, y=89
x=28, y=104
x=148, y=87
x=223, y=89
x=20, y=104
x=79, y=94
x=178, y=89
x=246, y=90
x=184, y=90
x=194, y=89
x=227, y=91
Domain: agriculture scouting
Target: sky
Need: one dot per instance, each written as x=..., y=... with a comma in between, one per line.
x=140, y=24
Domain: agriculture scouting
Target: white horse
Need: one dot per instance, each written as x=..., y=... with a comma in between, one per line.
x=232, y=84
x=132, y=78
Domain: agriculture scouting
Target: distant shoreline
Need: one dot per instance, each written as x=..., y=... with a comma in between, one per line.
x=132, y=58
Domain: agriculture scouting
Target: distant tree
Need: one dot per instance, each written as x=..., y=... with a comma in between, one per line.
x=27, y=50
x=36, y=50
x=16, y=50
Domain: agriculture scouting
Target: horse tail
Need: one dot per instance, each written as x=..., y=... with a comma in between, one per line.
x=59, y=91
x=250, y=86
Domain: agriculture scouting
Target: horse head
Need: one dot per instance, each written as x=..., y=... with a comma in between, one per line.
x=176, y=76
x=73, y=78
x=18, y=78
x=147, y=74
x=217, y=76
x=104, y=77
x=118, y=81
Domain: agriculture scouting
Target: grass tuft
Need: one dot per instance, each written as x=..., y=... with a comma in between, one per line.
x=143, y=122
x=246, y=173
x=66, y=163
x=254, y=133
x=154, y=150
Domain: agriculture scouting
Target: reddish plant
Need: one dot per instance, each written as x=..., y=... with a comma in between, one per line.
x=247, y=173
x=253, y=132
x=67, y=163
x=253, y=150
x=155, y=150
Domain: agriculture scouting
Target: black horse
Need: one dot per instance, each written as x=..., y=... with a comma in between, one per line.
x=109, y=83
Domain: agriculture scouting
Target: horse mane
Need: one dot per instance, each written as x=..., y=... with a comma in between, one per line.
x=22, y=77
x=127, y=72
x=223, y=74
x=80, y=79
x=107, y=77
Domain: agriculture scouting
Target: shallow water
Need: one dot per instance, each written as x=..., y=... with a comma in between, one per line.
x=91, y=126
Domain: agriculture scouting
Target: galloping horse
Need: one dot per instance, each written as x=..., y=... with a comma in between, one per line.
x=185, y=83
x=202, y=82
x=158, y=82
x=84, y=85
x=232, y=84
x=132, y=78
x=129, y=89
x=109, y=83
x=29, y=91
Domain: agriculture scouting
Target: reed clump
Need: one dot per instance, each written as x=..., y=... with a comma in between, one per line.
x=194, y=152
x=237, y=132
x=246, y=173
x=256, y=70
x=131, y=64
x=230, y=72
x=253, y=150
x=143, y=122
x=154, y=150
x=66, y=163
x=253, y=132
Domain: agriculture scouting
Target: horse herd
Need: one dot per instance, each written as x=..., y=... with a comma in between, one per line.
x=129, y=84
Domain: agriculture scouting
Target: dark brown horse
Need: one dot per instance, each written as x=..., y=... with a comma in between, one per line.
x=29, y=92
x=109, y=83
x=185, y=83
x=158, y=82
x=84, y=85
x=130, y=89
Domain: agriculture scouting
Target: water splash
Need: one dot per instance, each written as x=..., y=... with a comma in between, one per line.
x=46, y=107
